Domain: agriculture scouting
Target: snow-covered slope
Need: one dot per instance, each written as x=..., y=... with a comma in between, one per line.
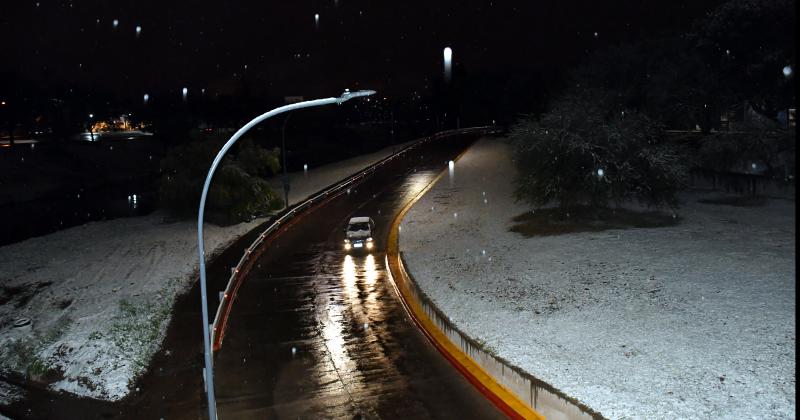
x=695, y=320
x=98, y=297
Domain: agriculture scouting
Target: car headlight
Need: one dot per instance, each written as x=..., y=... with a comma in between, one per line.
x=369, y=245
x=347, y=246
x=369, y=239
x=347, y=241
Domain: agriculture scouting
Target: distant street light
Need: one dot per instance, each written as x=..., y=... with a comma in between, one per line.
x=185, y=92
x=448, y=64
x=787, y=71
x=209, y=370
x=146, y=98
x=316, y=20
x=91, y=129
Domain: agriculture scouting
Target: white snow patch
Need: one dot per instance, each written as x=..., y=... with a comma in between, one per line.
x=99, y=295
x=695, y=320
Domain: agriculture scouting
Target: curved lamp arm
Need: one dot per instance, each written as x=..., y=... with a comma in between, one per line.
x=209, y=370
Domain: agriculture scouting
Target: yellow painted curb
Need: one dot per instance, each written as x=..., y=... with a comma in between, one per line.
x=503, y=398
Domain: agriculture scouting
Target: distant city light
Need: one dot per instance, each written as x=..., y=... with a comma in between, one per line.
x=115, y=23
x=146, y=98
x=448, y=63
x=185, y=93
x=600, y=172
x=138, y=30
x=91, y=115
x=316, y=20
x=787, y=71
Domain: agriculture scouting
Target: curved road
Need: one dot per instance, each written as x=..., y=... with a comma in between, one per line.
x=357, y=354
x=317, y=333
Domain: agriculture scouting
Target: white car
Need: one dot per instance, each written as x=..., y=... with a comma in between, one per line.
x=358, y=234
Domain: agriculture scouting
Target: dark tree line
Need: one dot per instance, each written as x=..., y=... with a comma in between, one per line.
x=616, y=108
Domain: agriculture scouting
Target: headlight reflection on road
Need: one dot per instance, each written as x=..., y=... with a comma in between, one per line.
x=335, y=325
x=349, y=276
x=370, y=271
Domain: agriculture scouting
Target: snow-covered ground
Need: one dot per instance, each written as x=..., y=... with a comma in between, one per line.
x=98, y=297
x=695, y=320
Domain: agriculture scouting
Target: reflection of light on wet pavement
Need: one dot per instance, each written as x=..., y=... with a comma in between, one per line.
x=333, y=333
x=349, y=277
x=416, y=182
x=371, y=275
x=370, y=272
x=335, y=326
x=359, y=305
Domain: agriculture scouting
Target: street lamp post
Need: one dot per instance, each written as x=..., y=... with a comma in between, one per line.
x=209, y=370
x=283, y=152
x=91, y=129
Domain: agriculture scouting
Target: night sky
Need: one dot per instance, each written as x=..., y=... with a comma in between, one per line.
x=275, y=47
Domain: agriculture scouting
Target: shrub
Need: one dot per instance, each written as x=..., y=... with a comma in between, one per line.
x=736, y=151
x=583, y=152
x=238, y=192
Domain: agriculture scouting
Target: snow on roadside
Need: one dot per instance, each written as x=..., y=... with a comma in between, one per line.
x=97, y=297
x=690, y=321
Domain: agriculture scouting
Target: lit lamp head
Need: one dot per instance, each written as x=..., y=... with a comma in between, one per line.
x=347, y=95
x=448, y=63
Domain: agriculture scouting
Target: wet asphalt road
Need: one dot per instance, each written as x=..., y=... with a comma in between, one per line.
x=318, y=333
x=357, y=353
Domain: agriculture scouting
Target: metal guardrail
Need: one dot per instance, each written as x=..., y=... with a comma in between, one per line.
x=252, y=252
